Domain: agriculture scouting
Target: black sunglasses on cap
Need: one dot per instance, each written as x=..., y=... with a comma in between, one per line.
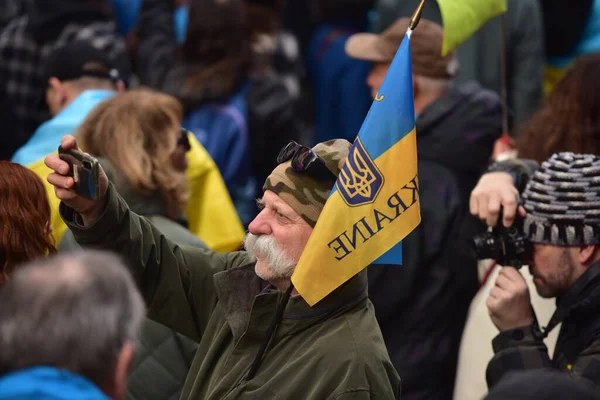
x=183, y=139
x=304, y=159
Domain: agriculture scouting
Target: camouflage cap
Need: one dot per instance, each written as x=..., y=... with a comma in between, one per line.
x=301, y=191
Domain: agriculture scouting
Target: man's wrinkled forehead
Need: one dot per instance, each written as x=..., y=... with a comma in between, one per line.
x=271, y=200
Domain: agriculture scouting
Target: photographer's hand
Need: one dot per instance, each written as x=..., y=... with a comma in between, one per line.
x=63, y=185
x=495, y=190
x=509, y=304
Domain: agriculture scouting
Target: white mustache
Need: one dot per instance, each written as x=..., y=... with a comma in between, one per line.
x=270, y=252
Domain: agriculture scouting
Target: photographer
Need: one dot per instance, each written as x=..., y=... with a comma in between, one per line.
x=561, y=211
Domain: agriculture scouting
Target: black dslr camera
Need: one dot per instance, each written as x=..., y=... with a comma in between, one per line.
x=508, y=246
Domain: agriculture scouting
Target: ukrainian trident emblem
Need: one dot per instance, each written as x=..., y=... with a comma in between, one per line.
x=360, y=180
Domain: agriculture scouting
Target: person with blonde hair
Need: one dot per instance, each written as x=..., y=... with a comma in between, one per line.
x=138, y=140
x=138, y=134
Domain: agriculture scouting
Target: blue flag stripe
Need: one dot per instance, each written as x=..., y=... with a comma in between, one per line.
x=395, y=113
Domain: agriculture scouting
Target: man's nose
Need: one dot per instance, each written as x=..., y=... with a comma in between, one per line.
x=260, y=225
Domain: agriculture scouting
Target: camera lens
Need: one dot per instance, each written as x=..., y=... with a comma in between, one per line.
x=485, y=246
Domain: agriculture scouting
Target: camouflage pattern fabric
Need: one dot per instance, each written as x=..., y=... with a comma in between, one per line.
x=303, y=192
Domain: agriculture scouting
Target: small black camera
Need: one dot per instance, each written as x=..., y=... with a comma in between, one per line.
x=507, y=246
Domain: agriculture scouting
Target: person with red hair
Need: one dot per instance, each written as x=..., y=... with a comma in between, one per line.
x=25, y=232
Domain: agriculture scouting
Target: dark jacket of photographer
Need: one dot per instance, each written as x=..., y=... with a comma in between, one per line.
x=577, y=350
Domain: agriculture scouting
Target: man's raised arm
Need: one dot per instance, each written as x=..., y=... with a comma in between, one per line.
x=177, y=283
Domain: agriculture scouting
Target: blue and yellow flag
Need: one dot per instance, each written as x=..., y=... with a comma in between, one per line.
x=375, y=202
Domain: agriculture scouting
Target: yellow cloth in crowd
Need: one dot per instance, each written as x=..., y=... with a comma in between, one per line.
x=551, y=76
x=210, y=212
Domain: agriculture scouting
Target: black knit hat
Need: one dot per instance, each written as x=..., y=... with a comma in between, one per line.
x=562, y=201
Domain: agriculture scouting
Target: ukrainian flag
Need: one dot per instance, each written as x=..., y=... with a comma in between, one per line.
x=375, y=202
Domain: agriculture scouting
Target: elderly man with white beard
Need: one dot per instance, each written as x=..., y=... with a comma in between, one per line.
x=258, y=338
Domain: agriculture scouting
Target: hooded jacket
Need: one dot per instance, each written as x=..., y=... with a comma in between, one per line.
x=331, y=351
x=47, y=383
x=421, y=306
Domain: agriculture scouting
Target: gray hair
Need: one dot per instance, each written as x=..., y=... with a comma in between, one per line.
x=72, y=311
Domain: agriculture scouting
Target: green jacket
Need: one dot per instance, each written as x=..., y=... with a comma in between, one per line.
x=331, y=351
x=163, y=356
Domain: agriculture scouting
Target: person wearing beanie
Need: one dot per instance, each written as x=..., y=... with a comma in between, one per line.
x=422, y=307
x=257, y=336
x=561, y=219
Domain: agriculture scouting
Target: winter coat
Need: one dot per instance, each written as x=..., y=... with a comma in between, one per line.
x=333, y=350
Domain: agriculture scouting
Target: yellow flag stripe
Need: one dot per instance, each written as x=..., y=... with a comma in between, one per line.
x=343, y=246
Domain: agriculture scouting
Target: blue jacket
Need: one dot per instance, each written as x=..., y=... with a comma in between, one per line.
x=222, y=128
x=46, y=383
x=127, y=14
x=46, y=138
x=342, y=97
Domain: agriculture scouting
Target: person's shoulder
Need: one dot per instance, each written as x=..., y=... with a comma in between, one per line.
x=354, y=336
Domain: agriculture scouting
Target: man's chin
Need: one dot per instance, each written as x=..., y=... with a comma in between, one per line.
x=262, y=270
x=544, y=291
x=266, y=273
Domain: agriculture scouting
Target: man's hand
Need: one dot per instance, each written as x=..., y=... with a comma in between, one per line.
x=63, y=185
x=493, y=191
x=509, y=304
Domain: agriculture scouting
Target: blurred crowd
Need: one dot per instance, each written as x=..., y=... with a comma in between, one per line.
x=187, y=105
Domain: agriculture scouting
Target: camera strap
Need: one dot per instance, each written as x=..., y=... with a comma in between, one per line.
x=542, y=332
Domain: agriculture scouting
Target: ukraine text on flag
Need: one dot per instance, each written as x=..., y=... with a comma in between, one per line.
x=375, y=202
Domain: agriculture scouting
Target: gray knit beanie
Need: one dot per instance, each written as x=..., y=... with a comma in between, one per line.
x=562, y=200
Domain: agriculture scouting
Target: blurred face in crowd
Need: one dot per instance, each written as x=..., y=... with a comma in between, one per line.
x=276, y=238
x=555, y=268
x=376, y=76
x=178, y=157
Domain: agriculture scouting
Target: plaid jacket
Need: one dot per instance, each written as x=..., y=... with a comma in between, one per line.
x=577, y=350
x=22, y=63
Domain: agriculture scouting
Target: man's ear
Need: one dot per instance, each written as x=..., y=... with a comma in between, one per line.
x=587, y=255
x=55, y=84
x=117, y=389
x=60, y=90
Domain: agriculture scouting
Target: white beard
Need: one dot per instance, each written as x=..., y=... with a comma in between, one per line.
x=279, y=265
